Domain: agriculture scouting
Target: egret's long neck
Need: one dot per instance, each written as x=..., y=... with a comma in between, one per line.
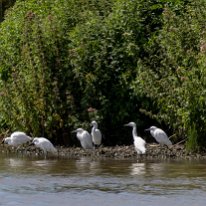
x=134, y=131
x=152, y=132
x=94, y=127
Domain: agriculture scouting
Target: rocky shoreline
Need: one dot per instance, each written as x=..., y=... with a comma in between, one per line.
x=154, y=152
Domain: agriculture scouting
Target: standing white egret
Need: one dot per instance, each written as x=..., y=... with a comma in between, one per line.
x=159, y=135
x=84, y=137
x=96, y=134
x=139, y=143
x=16, y=139
x=44, y=144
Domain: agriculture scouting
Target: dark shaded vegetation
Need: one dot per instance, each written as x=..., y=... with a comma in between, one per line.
x=64, y=63
x=4, y=5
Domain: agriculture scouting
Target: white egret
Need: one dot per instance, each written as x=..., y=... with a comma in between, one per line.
x=139, y=143
x=159, y=135
x=84, y=137
x=96, y=134
x=45, y=145
x=16, y=139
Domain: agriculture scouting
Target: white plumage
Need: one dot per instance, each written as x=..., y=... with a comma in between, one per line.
x=84, y=137
x=44, y=144
x=96, y=134
x=16, y=139
x=159, y=135
x=139, y=143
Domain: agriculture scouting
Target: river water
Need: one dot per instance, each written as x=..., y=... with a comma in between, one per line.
x=89, y=182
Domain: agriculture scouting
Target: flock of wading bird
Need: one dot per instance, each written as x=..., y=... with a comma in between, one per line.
x=87, y=140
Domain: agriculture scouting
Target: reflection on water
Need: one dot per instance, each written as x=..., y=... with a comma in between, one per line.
x=138, y=168
x=87, y=165
x=15, y=163
x=87, y=181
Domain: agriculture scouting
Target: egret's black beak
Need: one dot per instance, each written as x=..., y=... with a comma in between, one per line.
x=147, y=130
x=31, y=144
x=74, y=131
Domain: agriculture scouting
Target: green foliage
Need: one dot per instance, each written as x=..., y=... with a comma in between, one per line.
x=65, y=63
x=41, y=90
x=34, y=70
x=174, y=76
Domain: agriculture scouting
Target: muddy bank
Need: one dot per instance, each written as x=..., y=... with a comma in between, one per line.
x=118, y=152
x=121, y=152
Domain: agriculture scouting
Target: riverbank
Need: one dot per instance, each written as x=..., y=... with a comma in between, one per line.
x=154, y=151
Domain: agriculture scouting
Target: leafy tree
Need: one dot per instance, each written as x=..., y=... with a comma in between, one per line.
x=174, y=76
x=38, y=80
x=64, y=63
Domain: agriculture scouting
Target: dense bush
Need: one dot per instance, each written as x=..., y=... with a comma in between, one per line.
x=64, y=63
x=174, y=76
x=38, y=81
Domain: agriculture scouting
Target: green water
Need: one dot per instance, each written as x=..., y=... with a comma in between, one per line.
x=85, y=181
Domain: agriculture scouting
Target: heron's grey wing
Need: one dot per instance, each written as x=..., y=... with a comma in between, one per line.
x=49, y=147
x=20, y=139
x=88, y=141
x=98, y=136
x=162, y=137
